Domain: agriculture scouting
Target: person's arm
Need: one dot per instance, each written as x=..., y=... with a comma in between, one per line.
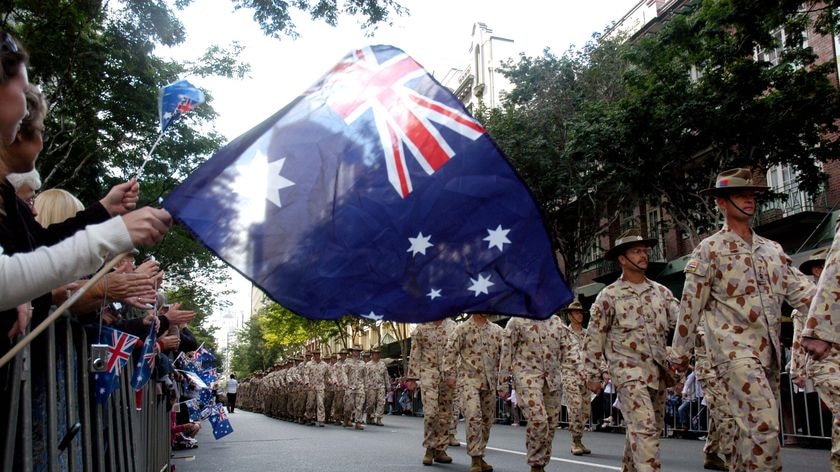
x=416, y=354
x=510, y=339
x=26, y=276
x=696, y=291
x=600, y=321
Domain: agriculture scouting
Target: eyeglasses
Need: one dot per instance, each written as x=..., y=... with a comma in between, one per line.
x=9, y=43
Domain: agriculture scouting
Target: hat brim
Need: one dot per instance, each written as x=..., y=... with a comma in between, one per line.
x=723, y=191
x=613, y=253
x=806, y=266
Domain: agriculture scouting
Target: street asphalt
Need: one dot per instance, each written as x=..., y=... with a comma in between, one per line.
x=260, y=443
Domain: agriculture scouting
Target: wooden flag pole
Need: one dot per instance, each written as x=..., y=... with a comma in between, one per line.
x=60, y=310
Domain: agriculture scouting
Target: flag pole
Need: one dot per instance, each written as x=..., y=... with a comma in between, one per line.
x=60, y=310
x=148, y=155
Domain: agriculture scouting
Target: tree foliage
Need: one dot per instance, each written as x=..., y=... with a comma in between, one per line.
x=653, y=119
x=98, y=66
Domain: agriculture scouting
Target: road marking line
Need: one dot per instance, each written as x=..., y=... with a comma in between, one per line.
x=558, y=459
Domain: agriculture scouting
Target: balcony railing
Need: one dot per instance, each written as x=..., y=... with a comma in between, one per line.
x=794, y=201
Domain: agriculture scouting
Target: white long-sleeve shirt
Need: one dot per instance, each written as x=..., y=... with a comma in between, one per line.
x=26, y=276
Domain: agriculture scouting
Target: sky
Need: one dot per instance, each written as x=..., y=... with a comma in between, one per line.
x=436, y=34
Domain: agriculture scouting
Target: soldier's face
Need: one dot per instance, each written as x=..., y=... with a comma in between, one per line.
x=635, y=257
x=739, y=205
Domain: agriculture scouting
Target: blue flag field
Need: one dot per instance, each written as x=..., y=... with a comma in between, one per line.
x=375, y=193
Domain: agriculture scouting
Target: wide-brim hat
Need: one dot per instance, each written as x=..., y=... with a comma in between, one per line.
x=733, y=180
x=575, y=305
x=629, y=238
x=815, y=259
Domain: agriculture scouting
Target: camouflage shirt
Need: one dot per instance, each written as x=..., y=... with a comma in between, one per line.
x=533, y=351
x=473, y=351
x=629, y=327
x=377, y=375
x=822, y=323
x=428, y=351
x=738, y=290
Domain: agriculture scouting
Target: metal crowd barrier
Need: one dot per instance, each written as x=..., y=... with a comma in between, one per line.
x=53, y=422
x=805, y=419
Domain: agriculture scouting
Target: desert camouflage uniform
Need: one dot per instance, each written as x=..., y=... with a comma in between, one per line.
x=823, y=323
x=629, y=326
x=738, y=289
x=354, y=399
x=473, y=351
x=721, y=434
x=339, y=379
x=377, y=383
x=315, y=387
x=533, y=351
x=575, y=393
x=428, y=351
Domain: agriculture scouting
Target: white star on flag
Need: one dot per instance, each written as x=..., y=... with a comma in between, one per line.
x=372, y=316
x=497, y=237
x=419, y=244
x=480, y=285
x=259, y=180
x=434, y=293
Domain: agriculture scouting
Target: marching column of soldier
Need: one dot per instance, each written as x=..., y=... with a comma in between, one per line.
x=313, y=391
x=728, y=319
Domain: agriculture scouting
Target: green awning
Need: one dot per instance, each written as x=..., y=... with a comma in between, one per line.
x=589, y=290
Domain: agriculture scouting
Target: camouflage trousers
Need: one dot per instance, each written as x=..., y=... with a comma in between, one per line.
x=643, y=408
x=457, y=409
x=826, y=376
x=480, y=413
x=315, y=405
x=576, y=398
x=375, y=401
x=329, y=398
x=719, y=439
x=338, y=406
x=541, y=408
x=752, y=390
x=354, y=405
x=437, y=416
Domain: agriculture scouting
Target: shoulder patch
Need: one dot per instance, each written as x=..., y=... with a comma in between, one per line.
x=695, y=266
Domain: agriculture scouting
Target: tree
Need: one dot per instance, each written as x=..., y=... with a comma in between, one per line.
x=96, y=63
x=674, y=130
x=534, y=128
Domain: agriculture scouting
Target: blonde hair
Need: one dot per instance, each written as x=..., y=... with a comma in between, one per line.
x=56, y=205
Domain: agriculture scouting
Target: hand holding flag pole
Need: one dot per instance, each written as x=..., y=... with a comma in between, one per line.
x=175, y=100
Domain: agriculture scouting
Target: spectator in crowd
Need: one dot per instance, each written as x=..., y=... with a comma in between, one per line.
x=232, y=386
x=692, y=395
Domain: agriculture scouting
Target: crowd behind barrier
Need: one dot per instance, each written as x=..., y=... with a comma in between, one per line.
x=806, y=419
x=55, y=424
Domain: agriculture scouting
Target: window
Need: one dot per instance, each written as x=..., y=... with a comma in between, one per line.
x=655, y=230
x=782, y=179
x=772, y=55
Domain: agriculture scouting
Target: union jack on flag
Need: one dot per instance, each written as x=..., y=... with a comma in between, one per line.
x=120, y=346
x=375, y=193
x=404, y=118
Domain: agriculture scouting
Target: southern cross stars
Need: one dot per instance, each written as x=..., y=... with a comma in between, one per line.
x=419, y=244
x=434, y=293
x=481, y=285
x=497, y=237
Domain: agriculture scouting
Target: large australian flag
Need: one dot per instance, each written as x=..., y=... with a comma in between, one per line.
x=375, y=193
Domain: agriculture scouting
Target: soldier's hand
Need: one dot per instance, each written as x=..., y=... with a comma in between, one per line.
x=450, y=382
x=594, y=386
x=503, y=394
x=817, y=348
x=678, y=366
x=799, y=381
